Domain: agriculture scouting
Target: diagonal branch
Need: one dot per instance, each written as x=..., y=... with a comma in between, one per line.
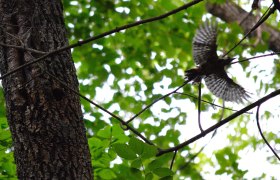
x=216, y=105
x=103, y=109
x=117, y=29
x=162, y=97
x=221, y=123
x=255, y=57
x=23, y=48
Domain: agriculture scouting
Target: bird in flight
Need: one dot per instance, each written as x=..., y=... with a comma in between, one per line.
x=212, y=68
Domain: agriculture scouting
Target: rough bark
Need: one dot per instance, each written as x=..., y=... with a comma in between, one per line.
x=45, y=118
x=231, y=12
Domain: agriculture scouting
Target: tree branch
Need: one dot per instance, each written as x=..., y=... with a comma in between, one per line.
x=255, y=57
x=172, y=161
x=103, y=109
x=203, y=147
x=260, y=21
x=262, y=135
x=199, y=108
x=221, y=123
x=162, y=97
x=117, y=29
x=230, y=12
x=23, y=48
x=212, y=104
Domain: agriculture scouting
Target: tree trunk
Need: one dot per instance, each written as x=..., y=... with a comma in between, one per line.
x=45, y=118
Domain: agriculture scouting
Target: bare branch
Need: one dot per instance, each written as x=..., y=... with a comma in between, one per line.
x=15, y=37
x=216, y=105
x=260, y=130
x=117, y=29
x=198, y=108
x=203, y=147
x=221, y=123
x=231, y=12
x=23, y=48
x=162, y=97
x=255, y=57
x=261, y=20
x=103, y=109
x=173, y=159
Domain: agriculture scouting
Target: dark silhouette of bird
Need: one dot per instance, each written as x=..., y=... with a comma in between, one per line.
x=212, y=68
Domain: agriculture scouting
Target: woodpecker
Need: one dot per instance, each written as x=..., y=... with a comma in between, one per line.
x=212, y=68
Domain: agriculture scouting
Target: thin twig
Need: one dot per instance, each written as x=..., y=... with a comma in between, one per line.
x=15, y=37
x=221, y=123
x=261, y=20
x=103, y=109
x=117, y=29
x=162, y=97
x=173, y=159
x=198, y=107
x=255, y=57
x=202, y=148
x=260, y=130
x=23, y=48
x=202, y=100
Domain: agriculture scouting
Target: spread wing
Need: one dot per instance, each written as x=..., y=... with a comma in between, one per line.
x=204, y=44
x=224, y=87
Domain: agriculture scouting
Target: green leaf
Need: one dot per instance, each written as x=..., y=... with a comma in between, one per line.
x=163, y=172
x=118, y=134
x=155, y=164
x=105, y=133
x=149, y=176
x=7, y=165
x=112, y=154
x=149, y=151
x=136, y=145
x=106, y=174
x=160, y=161
x=3, y=122
x=137, y=163
x=167, y=178
x=124, y=151
x=116, y=70
x=5, y=135
x=136, y=173
x=94, y=142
